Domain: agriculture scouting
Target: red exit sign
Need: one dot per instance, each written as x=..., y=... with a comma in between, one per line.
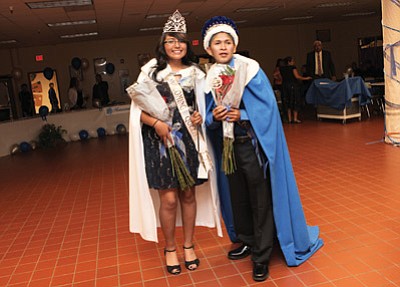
x=195, y=42
x=39, y=58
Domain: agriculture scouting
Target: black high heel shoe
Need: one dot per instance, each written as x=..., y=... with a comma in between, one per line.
x=172, y=269
x=189, y=264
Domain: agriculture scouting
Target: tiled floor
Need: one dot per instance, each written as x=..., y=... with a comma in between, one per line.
x=64, y=216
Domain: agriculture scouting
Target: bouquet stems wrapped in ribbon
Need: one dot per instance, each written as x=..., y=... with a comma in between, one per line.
x=179, y=168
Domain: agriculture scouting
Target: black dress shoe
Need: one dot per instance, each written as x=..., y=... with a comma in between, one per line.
x=240, y=252
x=260, y=272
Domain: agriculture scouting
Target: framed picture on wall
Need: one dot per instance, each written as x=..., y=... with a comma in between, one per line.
x=75, y=73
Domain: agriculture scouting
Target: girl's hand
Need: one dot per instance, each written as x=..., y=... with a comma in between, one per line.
x=163, y=131
x=196, y=118
x=233, y=115
x=220, y=113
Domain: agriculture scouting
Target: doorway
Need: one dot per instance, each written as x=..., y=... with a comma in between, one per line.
x=8, y=109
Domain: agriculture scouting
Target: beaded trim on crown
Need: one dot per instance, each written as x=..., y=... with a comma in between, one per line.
x=218, y=20
x=176, y=23
x=216, y=25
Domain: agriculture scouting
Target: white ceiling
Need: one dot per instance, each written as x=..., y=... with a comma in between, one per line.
x=124, y=18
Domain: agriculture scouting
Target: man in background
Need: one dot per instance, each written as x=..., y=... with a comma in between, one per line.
x=320, y=64
x=100, y=92
x=26, y=100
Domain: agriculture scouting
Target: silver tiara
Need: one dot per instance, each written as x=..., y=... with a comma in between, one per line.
x=176, y=23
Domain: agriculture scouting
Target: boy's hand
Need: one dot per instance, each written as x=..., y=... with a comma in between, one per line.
x=233, y=115
x=220, y=113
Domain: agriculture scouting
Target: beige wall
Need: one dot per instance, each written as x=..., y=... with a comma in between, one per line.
x=265, y=44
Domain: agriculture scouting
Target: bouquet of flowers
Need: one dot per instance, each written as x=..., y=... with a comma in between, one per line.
x=222, y=84
x=147, y=97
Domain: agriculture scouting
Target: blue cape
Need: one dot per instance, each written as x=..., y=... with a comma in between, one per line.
x=298, y=241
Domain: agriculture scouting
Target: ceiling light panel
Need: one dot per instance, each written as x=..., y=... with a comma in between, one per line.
x=358, y=14
x=297, y=18
x=151, y=29
x=153, y=16
x=334, y=4
x=72, y=23
x=8, y=41
x=79, y=35
x=57, y=4
x=256, y=9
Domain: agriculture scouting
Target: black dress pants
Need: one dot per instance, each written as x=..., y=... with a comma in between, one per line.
x=252, y=202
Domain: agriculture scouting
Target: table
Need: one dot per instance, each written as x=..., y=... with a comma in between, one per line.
x=338, y=100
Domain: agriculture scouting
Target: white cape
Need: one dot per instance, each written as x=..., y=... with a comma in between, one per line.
x=144, y=202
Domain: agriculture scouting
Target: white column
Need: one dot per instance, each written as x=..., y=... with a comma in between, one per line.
x=391, y=51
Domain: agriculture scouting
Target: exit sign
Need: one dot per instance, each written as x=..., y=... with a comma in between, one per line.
x=195, y=42
x=39, y=58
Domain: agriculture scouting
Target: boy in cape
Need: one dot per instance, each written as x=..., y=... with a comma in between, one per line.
x=255, y=172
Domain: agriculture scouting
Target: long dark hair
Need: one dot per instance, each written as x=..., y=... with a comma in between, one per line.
x=287, y=60
x=162, y=58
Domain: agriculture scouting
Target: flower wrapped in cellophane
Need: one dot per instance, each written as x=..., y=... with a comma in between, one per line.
x=146, y=96
x=149, y=100
x=222, y=84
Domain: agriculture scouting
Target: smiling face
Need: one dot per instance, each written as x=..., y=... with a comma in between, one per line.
x=222, y=47
x=174, y=48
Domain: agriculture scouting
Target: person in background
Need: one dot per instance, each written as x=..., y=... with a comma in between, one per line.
x=277, y=83
x=53, y=99
x=172, y=80
x=320, y=64
x=100, y=92
x=277, y=86
x=26, y=100
x=250, y=149
x=75, y=94
x=292, y=89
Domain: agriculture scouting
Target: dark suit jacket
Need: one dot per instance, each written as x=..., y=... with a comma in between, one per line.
x=327, y=65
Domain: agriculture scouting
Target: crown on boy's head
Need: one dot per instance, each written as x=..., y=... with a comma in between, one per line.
x=176, y=24
x=216, y=25
x=218, y=20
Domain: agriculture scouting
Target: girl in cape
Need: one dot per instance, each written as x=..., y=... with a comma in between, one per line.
x=256, y=174
x=166, y=116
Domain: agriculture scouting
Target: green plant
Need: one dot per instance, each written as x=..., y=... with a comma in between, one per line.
x=51, y=136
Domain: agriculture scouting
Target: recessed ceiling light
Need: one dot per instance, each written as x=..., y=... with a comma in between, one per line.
x=58, y=3
x=297, y=18
x=334, y=4
x=8, y=41
x=71, y=23
x=358, y=14
x=79, y=35
x=165, y=15
x=255, y=9
x=151, y=29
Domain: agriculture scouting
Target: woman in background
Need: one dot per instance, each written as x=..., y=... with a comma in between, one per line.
x=291, y=89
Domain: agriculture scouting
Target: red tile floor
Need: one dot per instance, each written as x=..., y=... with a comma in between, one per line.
x=64, y=216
